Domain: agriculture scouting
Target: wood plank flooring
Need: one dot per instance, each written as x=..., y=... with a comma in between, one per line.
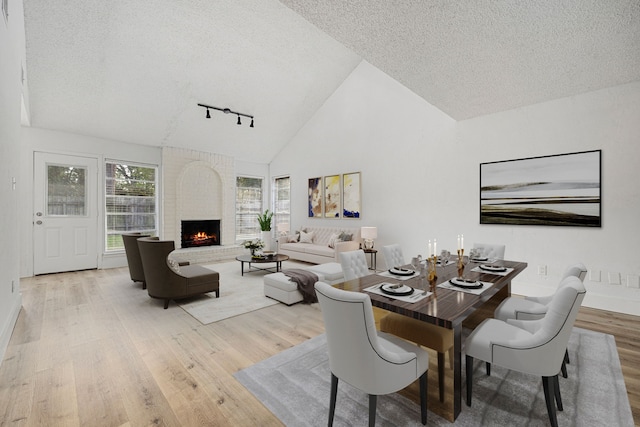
x=92, y=349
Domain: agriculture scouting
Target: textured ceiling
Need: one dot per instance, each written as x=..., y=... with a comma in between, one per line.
x=475, y=57
x=135, y=70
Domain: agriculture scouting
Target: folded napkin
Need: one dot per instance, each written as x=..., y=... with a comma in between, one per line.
x=417, y=295
x=448, y=285
x=497, y=273
x=396, y=276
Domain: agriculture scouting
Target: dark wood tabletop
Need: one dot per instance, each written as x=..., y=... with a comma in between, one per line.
x=448, y=308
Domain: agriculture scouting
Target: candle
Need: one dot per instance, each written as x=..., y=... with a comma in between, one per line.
x=429, y=253
x=435, y=250
x=462, y=241
x=458, y=242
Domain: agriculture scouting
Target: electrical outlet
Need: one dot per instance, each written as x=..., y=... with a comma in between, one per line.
x=614, y=278
x=633, y=281
x=542, y=270
x=595, y=275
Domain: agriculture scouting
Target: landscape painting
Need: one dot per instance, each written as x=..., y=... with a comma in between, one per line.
x=351, y=195
x=560, y=190
x=315, y=198
x=332, y=196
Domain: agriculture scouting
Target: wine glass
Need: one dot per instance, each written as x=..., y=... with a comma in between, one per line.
x=415, y=262
x=462, y=264
x=445, y=255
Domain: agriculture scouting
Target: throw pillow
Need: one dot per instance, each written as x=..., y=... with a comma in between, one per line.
x=173, y=264
x=333, y=239
x=306, y=237
x=293, y=238
x=346, y=237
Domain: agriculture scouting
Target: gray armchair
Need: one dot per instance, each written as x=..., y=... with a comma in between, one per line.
x=130, y=241
x=166, y=279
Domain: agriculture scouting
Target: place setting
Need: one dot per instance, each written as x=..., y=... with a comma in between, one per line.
x=398, y=291
x=401, y=273
x=461, y=283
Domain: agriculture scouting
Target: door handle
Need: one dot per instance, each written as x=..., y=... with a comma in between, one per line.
x=39, y=222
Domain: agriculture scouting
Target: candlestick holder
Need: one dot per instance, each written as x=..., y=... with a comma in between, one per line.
x=460, y=262
x=431, y=273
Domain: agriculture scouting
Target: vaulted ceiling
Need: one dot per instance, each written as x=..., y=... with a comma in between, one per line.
x=135, y=71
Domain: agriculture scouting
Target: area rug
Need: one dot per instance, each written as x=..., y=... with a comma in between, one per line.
x=238, y=294
x=295, y=386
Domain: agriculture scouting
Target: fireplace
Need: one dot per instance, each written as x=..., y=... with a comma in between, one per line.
x=197, y=233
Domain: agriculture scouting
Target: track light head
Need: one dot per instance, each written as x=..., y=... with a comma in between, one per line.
x=226, y=111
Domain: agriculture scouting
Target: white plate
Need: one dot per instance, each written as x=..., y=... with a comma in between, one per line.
x=401, y=271
x=396, y=289
x=492, y=267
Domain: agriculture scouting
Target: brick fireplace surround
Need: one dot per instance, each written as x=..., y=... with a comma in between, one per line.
x=197, y=185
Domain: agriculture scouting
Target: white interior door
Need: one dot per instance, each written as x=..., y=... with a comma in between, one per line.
x=65, y=218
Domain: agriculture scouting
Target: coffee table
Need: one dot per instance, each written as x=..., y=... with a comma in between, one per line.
x=277, y=259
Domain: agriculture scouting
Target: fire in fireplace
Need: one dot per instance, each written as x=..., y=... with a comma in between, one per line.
x=196, y=233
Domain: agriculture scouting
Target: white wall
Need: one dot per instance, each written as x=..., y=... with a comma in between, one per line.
x=33, y=140
x=12, y=49
x=606, y=119
x=420, y=175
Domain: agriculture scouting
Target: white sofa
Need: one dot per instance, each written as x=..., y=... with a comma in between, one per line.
x=318, y=251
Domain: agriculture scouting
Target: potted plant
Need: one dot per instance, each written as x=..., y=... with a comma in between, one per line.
x=265, y=226
x=265, y=220
x=253, y=245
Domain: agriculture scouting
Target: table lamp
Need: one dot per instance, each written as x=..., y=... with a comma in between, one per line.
x=368, y=234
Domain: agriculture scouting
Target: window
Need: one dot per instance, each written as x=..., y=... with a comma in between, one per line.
x=66, y=191
x=281, y=204
x=130, y=199
x=248, y=207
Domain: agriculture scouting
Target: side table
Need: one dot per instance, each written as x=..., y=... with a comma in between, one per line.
x=374, y=255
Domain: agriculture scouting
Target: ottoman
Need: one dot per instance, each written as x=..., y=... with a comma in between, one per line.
x=279, y=287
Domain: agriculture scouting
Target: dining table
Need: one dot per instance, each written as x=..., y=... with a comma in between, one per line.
x=449, y=306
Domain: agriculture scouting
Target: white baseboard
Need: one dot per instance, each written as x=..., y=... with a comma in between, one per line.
x=7, y=329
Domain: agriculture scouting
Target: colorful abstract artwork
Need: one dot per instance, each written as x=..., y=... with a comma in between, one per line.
x=332, y=200
x=315, y=197
x=562, y=189
x=351, y=195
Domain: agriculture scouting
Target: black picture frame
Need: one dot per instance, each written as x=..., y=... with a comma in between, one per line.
x=554, y=190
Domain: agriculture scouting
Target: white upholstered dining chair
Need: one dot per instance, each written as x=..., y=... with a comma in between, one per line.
x=371, y=361
x=532, y=308
x=393, y=255
x=354, y=264
x=534, y=347
x=491, y=251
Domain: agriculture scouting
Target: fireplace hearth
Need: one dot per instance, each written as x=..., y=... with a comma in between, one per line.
x=198, y=233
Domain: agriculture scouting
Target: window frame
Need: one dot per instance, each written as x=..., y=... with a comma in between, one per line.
x=107, y=214
x=280, y=217
x=241, y=236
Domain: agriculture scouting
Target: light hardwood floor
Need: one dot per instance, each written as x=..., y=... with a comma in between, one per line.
x=92, y=349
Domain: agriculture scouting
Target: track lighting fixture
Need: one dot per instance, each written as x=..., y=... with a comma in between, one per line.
x=226, y=111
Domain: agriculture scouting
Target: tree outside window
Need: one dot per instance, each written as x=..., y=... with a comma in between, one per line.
x=130, y=199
